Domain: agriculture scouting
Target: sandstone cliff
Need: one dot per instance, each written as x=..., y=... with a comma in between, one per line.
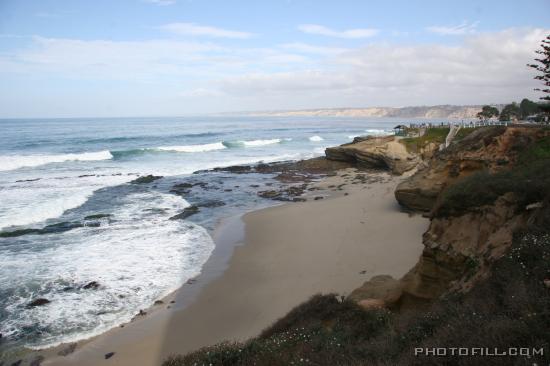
x=489, y=149
x=385, y=152
x=438, y=111
x=473, y=216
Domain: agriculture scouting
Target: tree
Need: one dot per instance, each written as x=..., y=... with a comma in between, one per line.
x=543, y=68
x=487, y=112
x=528, y=108
x=510, y=112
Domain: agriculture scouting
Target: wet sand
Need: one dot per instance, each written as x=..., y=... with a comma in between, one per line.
x=266, y=264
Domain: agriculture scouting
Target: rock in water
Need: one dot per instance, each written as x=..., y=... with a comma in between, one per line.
x=109, y=355
x=91, y=285
x=38, y=302
x=188, y=211
x=145, y=179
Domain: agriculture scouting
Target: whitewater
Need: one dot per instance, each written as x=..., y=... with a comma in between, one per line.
x=70, y=214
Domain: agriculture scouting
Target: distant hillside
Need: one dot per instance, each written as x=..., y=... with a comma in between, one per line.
x=439, y=111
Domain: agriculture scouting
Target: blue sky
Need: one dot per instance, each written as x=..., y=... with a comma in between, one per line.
x=178, y=57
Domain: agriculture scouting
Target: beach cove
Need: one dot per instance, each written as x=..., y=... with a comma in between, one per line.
x=266, y=263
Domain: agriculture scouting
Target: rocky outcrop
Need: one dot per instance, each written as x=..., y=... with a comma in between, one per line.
x=145, y=179
x=490, y=149
x=458, y=250
x=38, y=302
x=379, y=291
x=461, y=245
x=188, y=211
x=384, y=152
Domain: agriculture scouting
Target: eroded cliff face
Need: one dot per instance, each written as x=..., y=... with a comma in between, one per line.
x=490, y=149
x=384, y=152
x=460, y=247
x=458, y=251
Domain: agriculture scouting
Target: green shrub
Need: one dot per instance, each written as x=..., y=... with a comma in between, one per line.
x=528, y=179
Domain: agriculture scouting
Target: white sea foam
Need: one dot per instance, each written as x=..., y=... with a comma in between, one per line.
x=316, y=138
x=194, y=148
x=137, y=258
x=261, y=142
x=25, y=203
x=12, y=162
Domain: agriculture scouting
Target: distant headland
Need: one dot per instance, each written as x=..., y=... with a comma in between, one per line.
x=437, y=111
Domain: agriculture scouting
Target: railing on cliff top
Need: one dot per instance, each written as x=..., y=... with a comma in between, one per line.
x=462, y=124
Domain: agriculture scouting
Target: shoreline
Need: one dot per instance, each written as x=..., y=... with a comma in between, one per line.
x=266, y=262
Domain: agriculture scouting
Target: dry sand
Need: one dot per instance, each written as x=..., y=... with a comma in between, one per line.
x=289, y=252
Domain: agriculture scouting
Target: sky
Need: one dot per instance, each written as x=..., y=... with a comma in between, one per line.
x=103, y=58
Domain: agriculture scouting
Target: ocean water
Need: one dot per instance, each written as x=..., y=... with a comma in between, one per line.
x=69, y=216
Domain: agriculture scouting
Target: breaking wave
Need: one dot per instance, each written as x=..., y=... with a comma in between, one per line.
x=12, y=162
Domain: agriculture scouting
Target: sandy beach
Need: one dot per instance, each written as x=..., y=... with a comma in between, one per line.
x=266, y=263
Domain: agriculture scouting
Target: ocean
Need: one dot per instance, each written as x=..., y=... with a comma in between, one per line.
x=69, y=216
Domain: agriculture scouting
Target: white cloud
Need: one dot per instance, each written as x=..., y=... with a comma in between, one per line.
x=118, y=60
x=161, y=2
x=319, y=50
x=192, y=29
x=485, y=68
x=481, y=68
x=455, y=30
x=349, y=33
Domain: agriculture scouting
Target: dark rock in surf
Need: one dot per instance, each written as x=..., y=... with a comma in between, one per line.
x=234, y=169
x=38, y=302
x=109, y=355
x=97, y=216
x=188, y=211
x=60, y=227
x=94, y=285
x=270, y=194
x=145, y=179
x=16, y=233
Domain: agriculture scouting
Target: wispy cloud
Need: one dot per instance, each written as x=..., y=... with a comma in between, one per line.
x=386, y=74
x=455, y=30
x=192, y=29
x=308, y=48
x=329, y=32
x=292, y=75
x=160, y=2
x=45, y=14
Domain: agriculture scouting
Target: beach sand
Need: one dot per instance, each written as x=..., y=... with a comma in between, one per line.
x=280, y=257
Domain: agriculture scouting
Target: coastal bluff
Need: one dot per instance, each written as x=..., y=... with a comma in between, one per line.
x=478, y=193
x=380, y=152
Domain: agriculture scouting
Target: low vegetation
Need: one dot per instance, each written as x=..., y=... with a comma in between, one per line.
x=433, y=135
x=509, y=308
x=512, y=307
x=528, y=180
